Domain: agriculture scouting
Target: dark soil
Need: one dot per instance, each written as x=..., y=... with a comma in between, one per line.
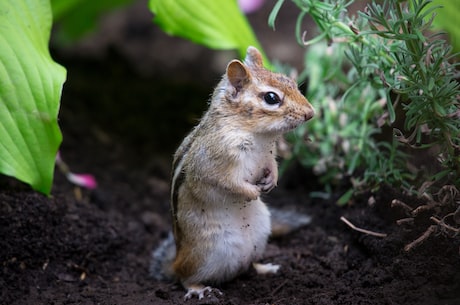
x=93, y=247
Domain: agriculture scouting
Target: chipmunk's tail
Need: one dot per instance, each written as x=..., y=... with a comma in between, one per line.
x=162, y=259
x=285, y=222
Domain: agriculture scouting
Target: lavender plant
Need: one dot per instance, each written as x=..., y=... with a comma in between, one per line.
x=397, y=73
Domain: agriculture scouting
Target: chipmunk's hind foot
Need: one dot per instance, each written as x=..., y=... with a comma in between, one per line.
x=200, y=291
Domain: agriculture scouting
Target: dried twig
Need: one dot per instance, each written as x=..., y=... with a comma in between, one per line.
x=398, y=203
x=431, y=229
x=279, y=287
x=426, y=207
x=443, y=224
x=347, y=222
x=405, y=221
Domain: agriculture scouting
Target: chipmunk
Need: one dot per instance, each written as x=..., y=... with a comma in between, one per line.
x=220, y=224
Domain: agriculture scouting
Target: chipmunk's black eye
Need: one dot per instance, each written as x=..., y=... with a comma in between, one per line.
x=272, y=98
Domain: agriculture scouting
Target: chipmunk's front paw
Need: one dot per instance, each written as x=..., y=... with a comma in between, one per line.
x=267, y=182
x=199, y=291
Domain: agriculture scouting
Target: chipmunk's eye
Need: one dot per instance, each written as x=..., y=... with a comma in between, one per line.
x=271, y=98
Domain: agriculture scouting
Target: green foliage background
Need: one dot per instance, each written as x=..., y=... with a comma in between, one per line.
x=31, y=82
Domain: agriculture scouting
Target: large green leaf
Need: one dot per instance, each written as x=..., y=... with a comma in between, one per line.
x=30, y=89
x=215, y=24
x=75, y=18
x=447, y=13
x=447, y=18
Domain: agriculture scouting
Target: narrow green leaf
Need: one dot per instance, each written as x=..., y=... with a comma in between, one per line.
x=30, y=89
x=214, y=24
x=274, y=13
x=390, y=108
x=345, y=198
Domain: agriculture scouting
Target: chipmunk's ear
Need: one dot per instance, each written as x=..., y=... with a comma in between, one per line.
x=254, y=58
x=238, y=74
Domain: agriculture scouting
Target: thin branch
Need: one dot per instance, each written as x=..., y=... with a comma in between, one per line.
x=398, y=203
x=347, y=222
x=431, y=229
x=445, y=225
x=275, y=291
x=405, y=221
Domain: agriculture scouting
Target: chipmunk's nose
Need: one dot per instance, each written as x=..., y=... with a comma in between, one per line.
x=310, y=113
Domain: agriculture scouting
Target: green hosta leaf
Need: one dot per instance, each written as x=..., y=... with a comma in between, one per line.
x=76, y=18
x=215, y=24
x=30, y=90
x=447, y=16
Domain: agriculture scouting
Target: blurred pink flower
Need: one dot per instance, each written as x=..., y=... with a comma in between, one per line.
x=250, y=6
x=83, y=180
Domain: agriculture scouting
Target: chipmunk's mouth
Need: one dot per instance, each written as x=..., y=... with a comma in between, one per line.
x=288, y=123
x=291, y=126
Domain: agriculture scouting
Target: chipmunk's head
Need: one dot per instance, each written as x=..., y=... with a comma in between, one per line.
x=267, y=102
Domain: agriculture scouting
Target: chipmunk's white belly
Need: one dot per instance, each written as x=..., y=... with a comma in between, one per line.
x=237, y=241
